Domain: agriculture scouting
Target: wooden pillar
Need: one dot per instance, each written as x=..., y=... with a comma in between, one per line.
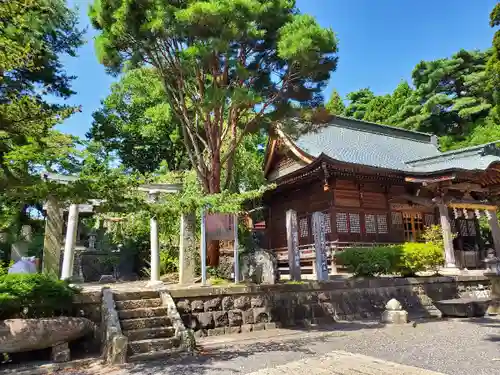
x=292, y=237
x=187, y=249
x=449, y=254
x=495, y=230
x=321, y=262
x=53, y=237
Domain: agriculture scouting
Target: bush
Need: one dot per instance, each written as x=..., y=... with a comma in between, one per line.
x=370, y=261
x=416, y=257
x=34, y=296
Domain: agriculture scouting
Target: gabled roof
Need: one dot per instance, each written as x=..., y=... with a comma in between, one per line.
x=470, y=158
x=364, y=143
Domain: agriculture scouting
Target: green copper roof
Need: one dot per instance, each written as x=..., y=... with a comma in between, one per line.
x=471, y=158
x=387, y=147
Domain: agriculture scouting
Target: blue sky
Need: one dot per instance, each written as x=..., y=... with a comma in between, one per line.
x=380, y=41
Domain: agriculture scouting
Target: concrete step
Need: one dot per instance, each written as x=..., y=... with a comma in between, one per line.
x=152, y=345
x=138, y=294
x=149, y=333
x=138, y=303
x=160, y=354
x=139, y=323
x=143, y=312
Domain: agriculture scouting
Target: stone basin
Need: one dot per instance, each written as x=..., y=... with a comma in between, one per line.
x=463, y=307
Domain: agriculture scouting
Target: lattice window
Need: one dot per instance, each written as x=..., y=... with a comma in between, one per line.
x=370, y=224
x=397, y=218
x=303, y=227
x=354, y=223
x=429, y=220
x=341, y=219
x=472, y=227
x=463, y=227
x=328, y=223
x=382, y=224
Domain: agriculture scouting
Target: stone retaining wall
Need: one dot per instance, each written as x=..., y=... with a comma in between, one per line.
x=220, y=310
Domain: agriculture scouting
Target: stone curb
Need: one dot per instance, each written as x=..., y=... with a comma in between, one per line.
x=199, y=291
x=52, y=367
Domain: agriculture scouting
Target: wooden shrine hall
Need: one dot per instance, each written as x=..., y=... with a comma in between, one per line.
x=378, y=184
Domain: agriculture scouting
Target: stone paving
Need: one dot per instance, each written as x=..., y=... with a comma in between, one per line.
x=452, y=347
x=343, y=363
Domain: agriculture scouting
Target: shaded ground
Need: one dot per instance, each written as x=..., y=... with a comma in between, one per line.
x=454, y=347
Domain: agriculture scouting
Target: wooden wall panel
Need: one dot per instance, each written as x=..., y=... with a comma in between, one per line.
x=346, y=184
x=347, y=198
x=374, y=200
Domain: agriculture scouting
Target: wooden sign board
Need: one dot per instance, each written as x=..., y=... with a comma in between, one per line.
x=409, y=207
x=220, y=227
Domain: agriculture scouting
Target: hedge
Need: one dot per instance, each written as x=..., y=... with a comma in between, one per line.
x=406, y=259
x=34, y=296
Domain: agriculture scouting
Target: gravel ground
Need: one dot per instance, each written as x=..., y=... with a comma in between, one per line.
x=454, y=347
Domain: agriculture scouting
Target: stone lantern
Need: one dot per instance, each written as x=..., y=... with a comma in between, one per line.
x=493, y=274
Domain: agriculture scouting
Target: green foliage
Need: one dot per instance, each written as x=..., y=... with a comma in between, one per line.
x=335, y=105
x=358, y=103
x=406, y=259
x=34, y=296
x=137, y=124
x=417, y=257
x=368, y=262
x=227, y=67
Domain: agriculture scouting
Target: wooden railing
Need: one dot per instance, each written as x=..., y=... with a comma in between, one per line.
x=308, y=255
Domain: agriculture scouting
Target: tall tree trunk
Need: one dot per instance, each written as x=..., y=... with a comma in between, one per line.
x=213, y=247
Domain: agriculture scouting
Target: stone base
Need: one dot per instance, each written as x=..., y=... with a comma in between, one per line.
x=463, y=307
x=394, y=317
x=60, y=353
x=154, y=283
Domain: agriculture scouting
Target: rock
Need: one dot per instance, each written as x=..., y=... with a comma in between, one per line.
x=107, y=279
x=395, y=317
x=205, y=320
x=212, y=304
x=258, y=301
x=220, y=318
x=242, y=303
x=227, y=303
x=235, y=317
x=259, y=266
x=394, y=313
x=393, y=305
x=197, y=306
x=184, y=306
x=20, y=335
x=60, y=353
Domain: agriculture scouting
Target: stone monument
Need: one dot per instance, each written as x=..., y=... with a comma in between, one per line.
x=259, y=266
x=394, y=313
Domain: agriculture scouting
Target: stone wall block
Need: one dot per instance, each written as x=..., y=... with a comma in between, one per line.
x=227, y=303
x=213, y=304
x=220, y=318
x=324, y=297
x=245, y=328
x=247, y=316
x=235, y=317
x=218, y=331
x=232, y=330
x=260, y=301
x=205, y=319
x=184, y=306
x=197, y=306
x=261, y=315
x=242, y=303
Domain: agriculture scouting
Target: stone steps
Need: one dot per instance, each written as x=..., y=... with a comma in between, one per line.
x=135, y=295
x=143, y=312
x=149, y=333
x=146, y=324
x=152, y=345
x=138, y=303
x=138, y=323
x=160, y=354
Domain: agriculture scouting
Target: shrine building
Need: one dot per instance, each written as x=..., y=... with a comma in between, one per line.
x=379, y=184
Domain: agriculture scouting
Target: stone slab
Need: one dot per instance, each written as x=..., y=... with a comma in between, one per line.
x=343, y=363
